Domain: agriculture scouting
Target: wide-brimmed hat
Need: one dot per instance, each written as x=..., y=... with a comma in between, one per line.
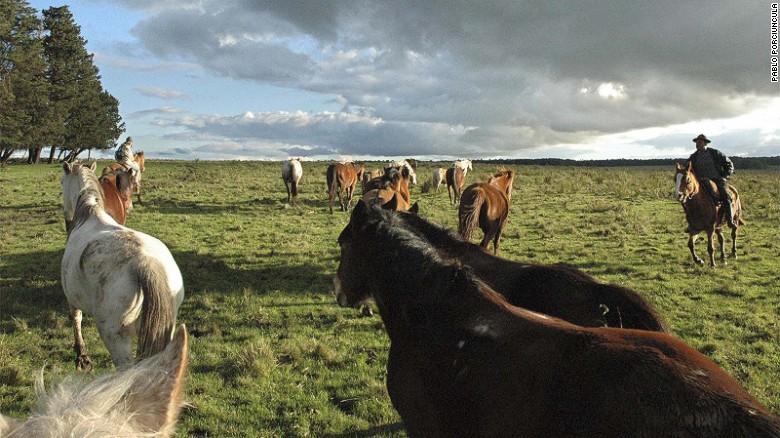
x=702, y=137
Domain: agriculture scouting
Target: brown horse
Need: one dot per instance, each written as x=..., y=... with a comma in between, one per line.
x=486, y=205
x=703, y=214
x=556, y=290
x=342, y=178
x=117, y=194
x=368, y=177
x=455, y=177
x=138, y=157
x=464, y=362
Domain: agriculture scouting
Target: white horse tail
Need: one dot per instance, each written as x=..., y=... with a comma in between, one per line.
x=157, y=317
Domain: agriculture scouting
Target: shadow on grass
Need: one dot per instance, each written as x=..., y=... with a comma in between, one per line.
x=31, y=289
x=376, y=431
x=207, y=273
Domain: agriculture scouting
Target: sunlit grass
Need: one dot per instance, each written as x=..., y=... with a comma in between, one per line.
x=273, y=355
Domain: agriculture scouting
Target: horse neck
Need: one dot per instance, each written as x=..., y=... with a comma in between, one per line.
x=89, y=203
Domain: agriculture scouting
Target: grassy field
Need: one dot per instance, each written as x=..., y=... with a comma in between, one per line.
x=272, y=353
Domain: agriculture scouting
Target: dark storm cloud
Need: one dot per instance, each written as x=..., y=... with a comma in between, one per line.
x=522, y=74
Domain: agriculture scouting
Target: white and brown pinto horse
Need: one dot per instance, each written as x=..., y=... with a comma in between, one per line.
x=291, y=175
x=465, y=362
x=703, y=214
x=144, y=400
x=127, y=280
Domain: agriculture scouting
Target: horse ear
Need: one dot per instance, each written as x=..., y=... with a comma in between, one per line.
x=66, y=168
x=360, y=212
x=93, y=166
x=690, y=166
x=678, y=166
x=392, y=204
x=156, y=396
x=414, y=209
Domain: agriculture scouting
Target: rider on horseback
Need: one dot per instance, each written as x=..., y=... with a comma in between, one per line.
x=124, y=156
x=712, y=164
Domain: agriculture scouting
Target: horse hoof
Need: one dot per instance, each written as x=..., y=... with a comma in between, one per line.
x=700, y=262
x=83, y=364
x=366, y=311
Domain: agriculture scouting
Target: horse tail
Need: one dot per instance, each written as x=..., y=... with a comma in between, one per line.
x=157, y=316
x=737, y=203
x=332, y=184
x=468, y=212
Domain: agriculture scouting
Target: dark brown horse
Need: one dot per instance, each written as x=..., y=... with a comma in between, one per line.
x=342, y=178
x=139, y=158
x=455, y=177
x=556, y=290
x=117, y=194
x=486, y=205
x=464, y=362
x=703, y=214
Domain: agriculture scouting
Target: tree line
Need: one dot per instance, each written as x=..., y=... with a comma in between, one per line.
x=50, y=90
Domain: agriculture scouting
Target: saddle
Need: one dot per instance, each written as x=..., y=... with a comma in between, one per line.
x=712, y=190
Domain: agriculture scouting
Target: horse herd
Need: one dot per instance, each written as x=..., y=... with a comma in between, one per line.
x=479, y=345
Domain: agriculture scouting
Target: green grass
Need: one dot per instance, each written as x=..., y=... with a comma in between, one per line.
x=273, y=355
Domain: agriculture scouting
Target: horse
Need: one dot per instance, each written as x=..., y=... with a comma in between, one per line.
x=144, y=400
x=561, y=291
x=463, y=164
x=703, y=214
x=118, y=194
x=486, y=205
x=439, y=178
x=464, y=362
x=455, y=177
x=342, y=178
x=116, y=167
x=408, y=166
x=368, y=176
x=126, y=279
x=291, y=175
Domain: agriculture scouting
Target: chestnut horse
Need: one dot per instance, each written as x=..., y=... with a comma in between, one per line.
x=144, y=400
x=138, y=157
x=556, y=290
x=703, y=214
x=455, y=177
x=291, y=175
x=118, y=194
x=486, y=205
x=464, y=362
x=342, y=178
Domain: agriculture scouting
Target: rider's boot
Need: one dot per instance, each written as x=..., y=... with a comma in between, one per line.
x=729, y=211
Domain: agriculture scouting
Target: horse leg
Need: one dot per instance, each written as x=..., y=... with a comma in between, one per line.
x=118, y=339
x=496, y=240
x=691, y=240
x=83, y=363
x=449, y=194
x=138, y=193
x=722, y=249
x=349, y=197
x=734, y=241
x=711, y=248
x=287, y=186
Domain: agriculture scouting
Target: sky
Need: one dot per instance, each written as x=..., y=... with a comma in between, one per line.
x=435, y=79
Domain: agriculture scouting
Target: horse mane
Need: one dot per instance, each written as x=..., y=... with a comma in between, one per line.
x=90, y=197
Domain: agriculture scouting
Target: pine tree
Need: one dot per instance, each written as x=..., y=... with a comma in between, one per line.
x=25, y=121
x=77, y=96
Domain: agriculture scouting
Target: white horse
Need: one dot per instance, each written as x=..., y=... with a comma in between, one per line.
x=464, y=165
x=291, y=175
x=127, y=280
x=439, y=177
x=144, y=400
x=404, y=163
